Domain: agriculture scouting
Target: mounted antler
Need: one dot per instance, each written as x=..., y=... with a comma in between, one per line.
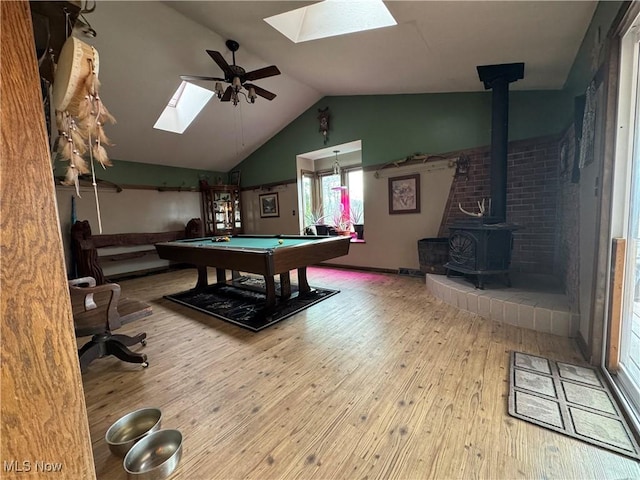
x=481, y=209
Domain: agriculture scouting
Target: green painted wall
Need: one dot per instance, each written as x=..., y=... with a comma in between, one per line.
x=581, y=71
x=132, y=173
x=394, y=126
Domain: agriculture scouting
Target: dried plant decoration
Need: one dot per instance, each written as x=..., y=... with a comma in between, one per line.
x=71, y=147
x=93, y=115
x=80, y=114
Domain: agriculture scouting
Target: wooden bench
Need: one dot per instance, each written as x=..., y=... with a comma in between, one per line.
x=85, y=246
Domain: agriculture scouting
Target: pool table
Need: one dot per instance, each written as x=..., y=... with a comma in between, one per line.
x=266, y=255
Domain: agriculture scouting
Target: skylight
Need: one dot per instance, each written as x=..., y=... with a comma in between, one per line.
x=184, y=106
x=331, y=18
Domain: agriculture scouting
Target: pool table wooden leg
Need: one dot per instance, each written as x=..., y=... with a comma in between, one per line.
x=285, y=285
x=221, y=275
x=203, y=281
x=270, y=285
x=303, y=284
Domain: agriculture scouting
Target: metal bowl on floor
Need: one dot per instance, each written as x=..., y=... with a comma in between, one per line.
x=128, y=430
x=154, y=457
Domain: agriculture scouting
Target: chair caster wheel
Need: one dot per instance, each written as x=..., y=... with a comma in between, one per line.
x=143, y=343
x=145, y=364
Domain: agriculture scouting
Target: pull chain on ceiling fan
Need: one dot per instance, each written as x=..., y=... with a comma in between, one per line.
x=237, y=78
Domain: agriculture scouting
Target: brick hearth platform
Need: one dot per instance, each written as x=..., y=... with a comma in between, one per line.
x=533, y=301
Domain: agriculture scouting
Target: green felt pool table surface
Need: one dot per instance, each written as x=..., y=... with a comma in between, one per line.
x=258, y=242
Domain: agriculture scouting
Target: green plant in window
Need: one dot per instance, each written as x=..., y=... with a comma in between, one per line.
x=341, y=222
x=314, y=217
x=356, y=213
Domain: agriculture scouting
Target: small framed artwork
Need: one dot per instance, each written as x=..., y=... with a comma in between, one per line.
x=269, y=205
x=404, y=194
x=234, y=178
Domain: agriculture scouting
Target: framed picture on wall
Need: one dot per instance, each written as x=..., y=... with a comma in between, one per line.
x=234, y=178
x=404, y=194
x=269, y=205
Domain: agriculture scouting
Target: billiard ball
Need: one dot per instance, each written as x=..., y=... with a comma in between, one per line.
x=280, y=241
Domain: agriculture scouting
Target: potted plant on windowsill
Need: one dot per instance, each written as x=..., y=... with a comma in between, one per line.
x=357, y=220
x=342, y=224
x=315, y=218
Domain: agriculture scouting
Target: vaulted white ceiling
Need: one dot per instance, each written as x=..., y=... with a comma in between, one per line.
x=145, y=46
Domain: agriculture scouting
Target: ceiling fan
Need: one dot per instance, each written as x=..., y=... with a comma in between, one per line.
x=236, y=76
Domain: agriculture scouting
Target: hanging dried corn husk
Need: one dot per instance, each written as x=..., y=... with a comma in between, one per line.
x=80, y=114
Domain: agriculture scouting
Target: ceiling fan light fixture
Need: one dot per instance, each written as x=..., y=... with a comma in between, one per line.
x=219, y=90
x=237, y=78
x=336, y=164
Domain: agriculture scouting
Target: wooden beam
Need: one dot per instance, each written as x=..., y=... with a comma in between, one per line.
x=43, y=417
x=616, y=282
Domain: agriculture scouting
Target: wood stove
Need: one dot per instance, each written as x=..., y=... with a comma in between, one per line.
x=482, y=245
x=481, y=249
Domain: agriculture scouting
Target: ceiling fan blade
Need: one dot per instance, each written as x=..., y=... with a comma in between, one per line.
x=196, y=77
x=260, y=91
x=262, y=73
x=222, y=63
x=227, y=94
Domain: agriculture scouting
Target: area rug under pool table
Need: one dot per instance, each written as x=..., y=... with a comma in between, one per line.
x=242, y=302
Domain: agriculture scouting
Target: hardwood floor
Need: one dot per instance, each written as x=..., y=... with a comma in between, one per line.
x=381, y=381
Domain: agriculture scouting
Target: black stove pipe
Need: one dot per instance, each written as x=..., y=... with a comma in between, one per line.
x=497, y=78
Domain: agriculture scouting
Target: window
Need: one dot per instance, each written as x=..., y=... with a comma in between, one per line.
x=310, y=215
x=331, y=198
x=331, y=18
x=356, y=196
x=185, y=104
x=626, y=221
x=340, y=198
